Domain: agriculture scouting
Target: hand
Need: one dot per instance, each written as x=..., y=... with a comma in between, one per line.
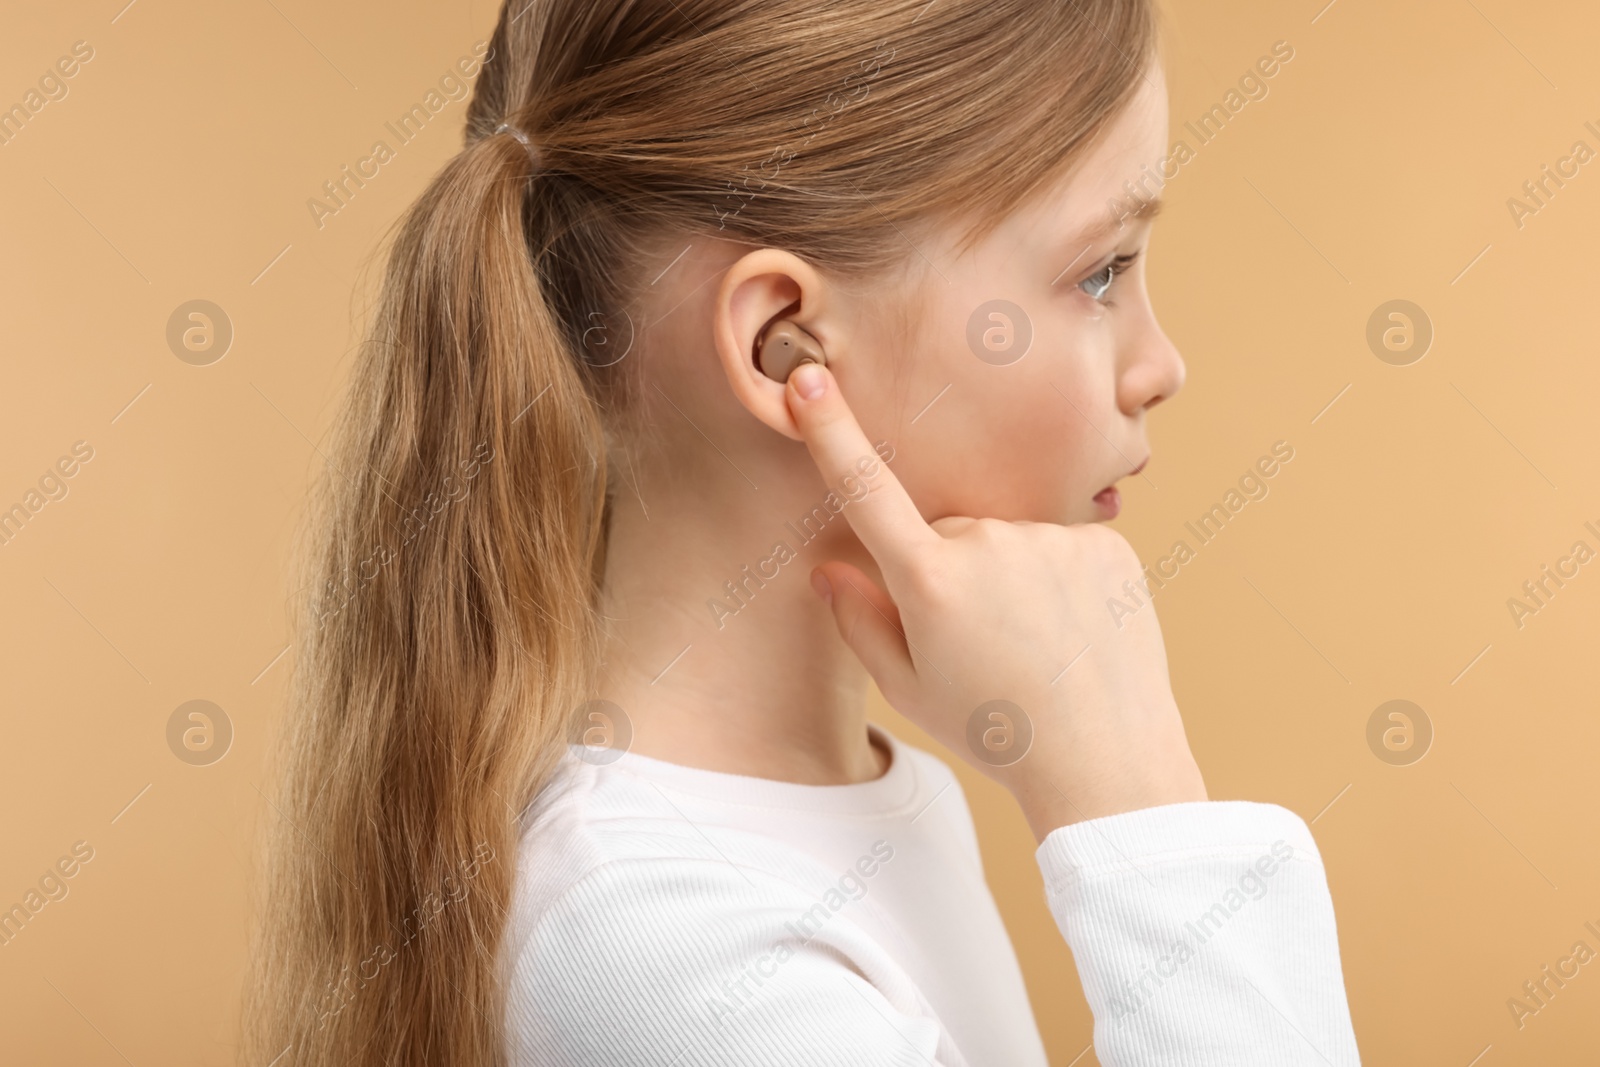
x=980, y=610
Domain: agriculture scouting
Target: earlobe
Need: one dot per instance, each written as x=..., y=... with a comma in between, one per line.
x=767, y=320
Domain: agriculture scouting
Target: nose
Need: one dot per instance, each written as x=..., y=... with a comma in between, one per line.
x=1154, y=369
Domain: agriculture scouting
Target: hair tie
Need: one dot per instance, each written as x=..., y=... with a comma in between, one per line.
x=533, y=150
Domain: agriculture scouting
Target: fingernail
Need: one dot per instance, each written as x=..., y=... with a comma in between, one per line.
x=819, y=582
x=808, y=380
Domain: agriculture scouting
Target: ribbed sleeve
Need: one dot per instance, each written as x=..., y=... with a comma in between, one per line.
x=1204, y=935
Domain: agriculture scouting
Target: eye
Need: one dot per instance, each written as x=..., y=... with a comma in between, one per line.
x=1099, y=283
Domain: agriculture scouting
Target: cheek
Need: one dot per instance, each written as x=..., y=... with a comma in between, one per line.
x=1011, y=442
x=1050, y=402
x=1068, y=405
x=1008, y=442
x=1049, y=449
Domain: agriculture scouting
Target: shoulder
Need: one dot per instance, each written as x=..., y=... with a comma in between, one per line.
x=941, y=792
x=700, y=961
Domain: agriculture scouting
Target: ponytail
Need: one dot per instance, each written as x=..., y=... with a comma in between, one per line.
x=463, y=524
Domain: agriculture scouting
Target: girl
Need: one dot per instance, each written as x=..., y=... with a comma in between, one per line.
x=579, y=770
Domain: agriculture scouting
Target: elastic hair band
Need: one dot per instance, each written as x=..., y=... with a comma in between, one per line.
x=533, y=150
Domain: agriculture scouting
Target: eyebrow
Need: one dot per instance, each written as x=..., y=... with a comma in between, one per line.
x=1146, y=211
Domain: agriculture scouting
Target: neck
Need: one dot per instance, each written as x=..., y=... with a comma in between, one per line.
x=762, y=685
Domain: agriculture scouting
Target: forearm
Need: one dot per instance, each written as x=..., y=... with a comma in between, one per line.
x=1204, y=934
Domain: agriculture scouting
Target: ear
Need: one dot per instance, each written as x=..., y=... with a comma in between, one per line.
x=760, y=288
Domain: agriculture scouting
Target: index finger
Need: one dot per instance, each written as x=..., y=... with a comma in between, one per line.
x=885, y=519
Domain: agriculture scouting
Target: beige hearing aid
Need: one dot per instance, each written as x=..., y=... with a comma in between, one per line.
x=784, y=347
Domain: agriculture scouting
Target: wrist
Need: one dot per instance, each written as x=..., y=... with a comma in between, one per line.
x=1050, y=805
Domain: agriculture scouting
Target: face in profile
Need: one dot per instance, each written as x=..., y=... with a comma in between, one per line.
x=1036, y=355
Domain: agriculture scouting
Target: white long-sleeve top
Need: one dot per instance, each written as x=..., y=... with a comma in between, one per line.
x=675, y=917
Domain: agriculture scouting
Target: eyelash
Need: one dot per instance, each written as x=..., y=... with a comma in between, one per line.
x=1117, y=267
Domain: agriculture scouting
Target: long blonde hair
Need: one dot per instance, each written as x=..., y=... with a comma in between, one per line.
x=459, y=538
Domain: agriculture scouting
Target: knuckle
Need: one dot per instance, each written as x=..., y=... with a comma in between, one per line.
x=983, y=531
x=1097, y=547
x=926, y=579
x=1115, y=551
x=989, y=529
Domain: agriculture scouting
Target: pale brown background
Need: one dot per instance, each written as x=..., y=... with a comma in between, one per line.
x=1379, y=567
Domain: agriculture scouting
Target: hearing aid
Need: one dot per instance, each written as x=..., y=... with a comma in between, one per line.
x=785, y=346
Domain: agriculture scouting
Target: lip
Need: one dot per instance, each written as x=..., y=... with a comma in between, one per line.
x=1109, y=499
x=1130, y=474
